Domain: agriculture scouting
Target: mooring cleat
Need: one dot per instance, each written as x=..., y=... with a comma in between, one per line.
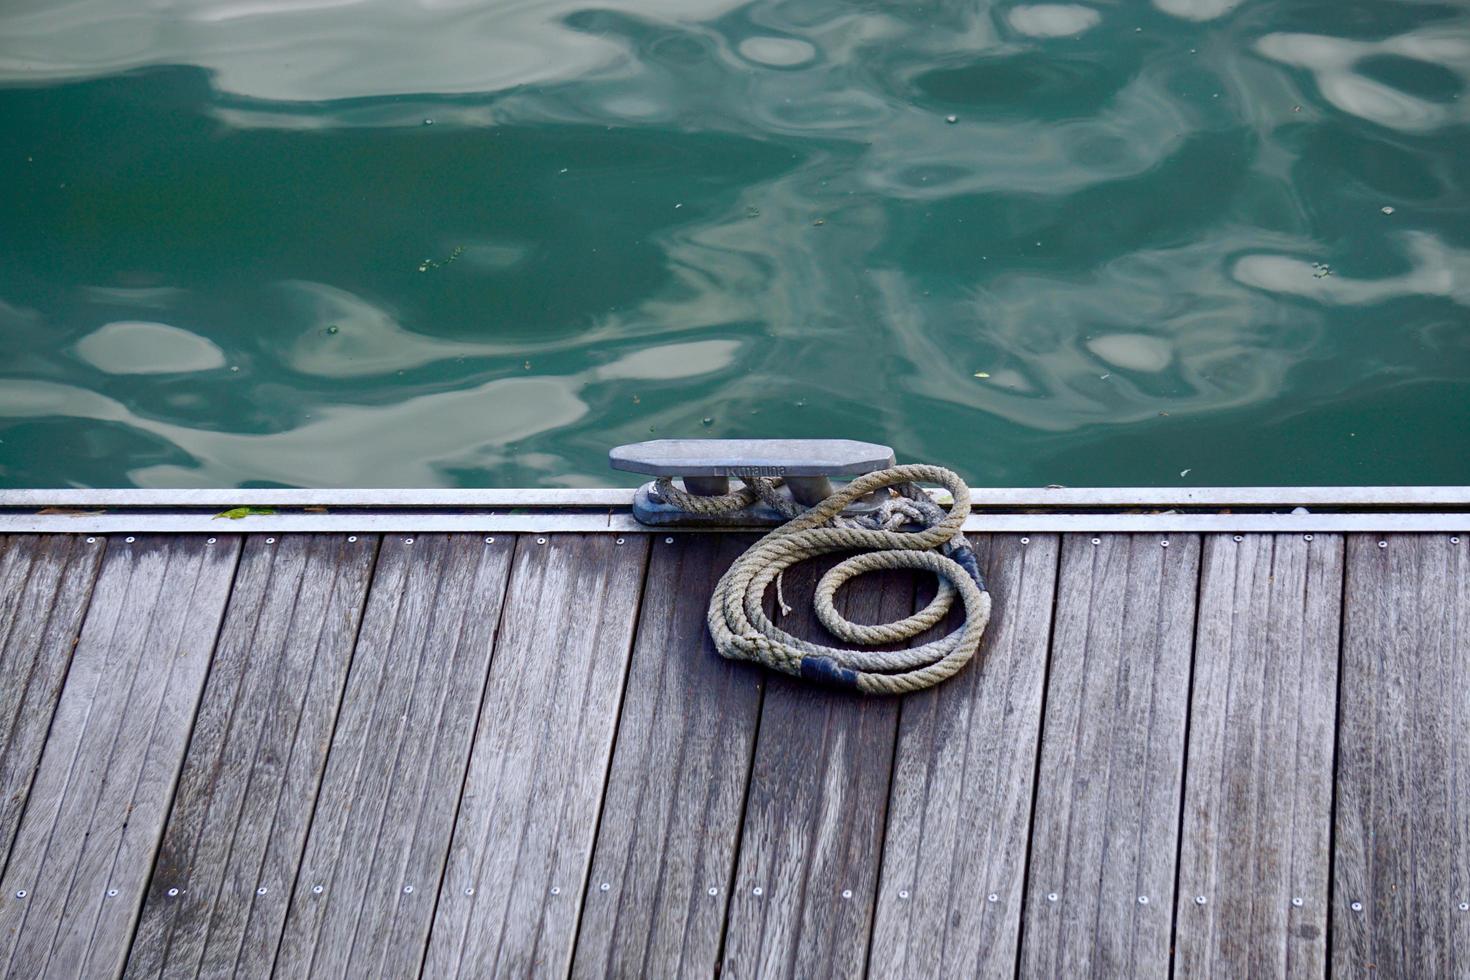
x=705, y=467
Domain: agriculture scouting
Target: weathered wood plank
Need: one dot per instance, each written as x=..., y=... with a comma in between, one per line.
x=1106, y=822
x=1401, y=883
x=523, y=840
x=250, y=778
x=806, y=876
x=364, y=895
x=676, y=790
x=45, y=583
x=1258, y=791
x=960, y=808
x=97, y=808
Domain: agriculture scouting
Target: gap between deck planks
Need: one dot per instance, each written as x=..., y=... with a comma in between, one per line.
x=376, y=743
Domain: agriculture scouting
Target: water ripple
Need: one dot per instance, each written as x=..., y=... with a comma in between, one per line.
x=440, y=242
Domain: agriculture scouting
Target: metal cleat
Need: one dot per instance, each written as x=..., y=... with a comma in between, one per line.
x=705, y=467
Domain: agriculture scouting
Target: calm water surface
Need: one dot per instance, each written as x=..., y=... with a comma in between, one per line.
x=444, y=243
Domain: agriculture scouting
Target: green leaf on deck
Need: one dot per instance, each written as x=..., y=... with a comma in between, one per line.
x=236, y=513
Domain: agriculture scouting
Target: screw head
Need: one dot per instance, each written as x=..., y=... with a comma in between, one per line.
x=21, y=893
x=1200, y=900
x=261, y=890
x=1383, y=544
x=603, y=887
x=317, y=889
x=903, y=894
x=1163, y=544
x=757, y=891
x=351, y=539
x=270, y=540
x=209, y=540
x=130, y=539
x=992, y=897
x=555, y=890
x=91, y=540
x=847, y=893
x=1051, y=896
x=1025, y=540
x=408, y=540
x=1297, y=902
x=1454, y=540
x=1356, y=906
x=668, y=540
x=1465, y=906
x=1306, y=537
x=618, y=541
x=112, y=893
x=712, y=890
x=469, y=891
x=540, y=540
x=490, y=540
x=408, y=889
x=1143, y=900
x=1097, y=540
x=172, y=892
x=1239, y=538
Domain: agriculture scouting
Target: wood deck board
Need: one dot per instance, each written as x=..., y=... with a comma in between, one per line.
x=45, y=584
x=814, y=815
x=1100, y=889
x=1403, y=777
x=960, y=808
x=385, y=811
x=106, y=778
x=523, y=838
x=503, y=726
x=1258, y=795
x=676, y=791
x=245, y=797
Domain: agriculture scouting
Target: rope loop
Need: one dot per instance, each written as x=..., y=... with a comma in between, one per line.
x=742, y=630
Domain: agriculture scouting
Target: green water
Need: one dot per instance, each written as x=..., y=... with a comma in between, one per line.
x=390, y=243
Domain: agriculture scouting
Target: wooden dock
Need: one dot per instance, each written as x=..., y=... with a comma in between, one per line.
x=473, y=755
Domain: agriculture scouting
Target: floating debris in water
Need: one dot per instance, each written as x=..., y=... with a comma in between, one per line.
x=982, y=374
x=951, y=119
x=428, y=122
x=678, y=206
x=1321, y=270
x=428, y=264
x=1184, y=472
x=1104, y=377
x=707, y=420
x=1387, y=210
x=751, y=211
x=1296, y=108
x=819, y=222
x=333, y=328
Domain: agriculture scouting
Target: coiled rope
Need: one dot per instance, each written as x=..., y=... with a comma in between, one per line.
x=742, y=630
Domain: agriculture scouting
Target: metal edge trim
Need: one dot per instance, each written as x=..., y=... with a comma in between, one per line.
x=390, y=522
x=618, y=497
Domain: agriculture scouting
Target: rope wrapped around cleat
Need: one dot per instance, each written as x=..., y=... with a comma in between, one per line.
x=742, y=630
